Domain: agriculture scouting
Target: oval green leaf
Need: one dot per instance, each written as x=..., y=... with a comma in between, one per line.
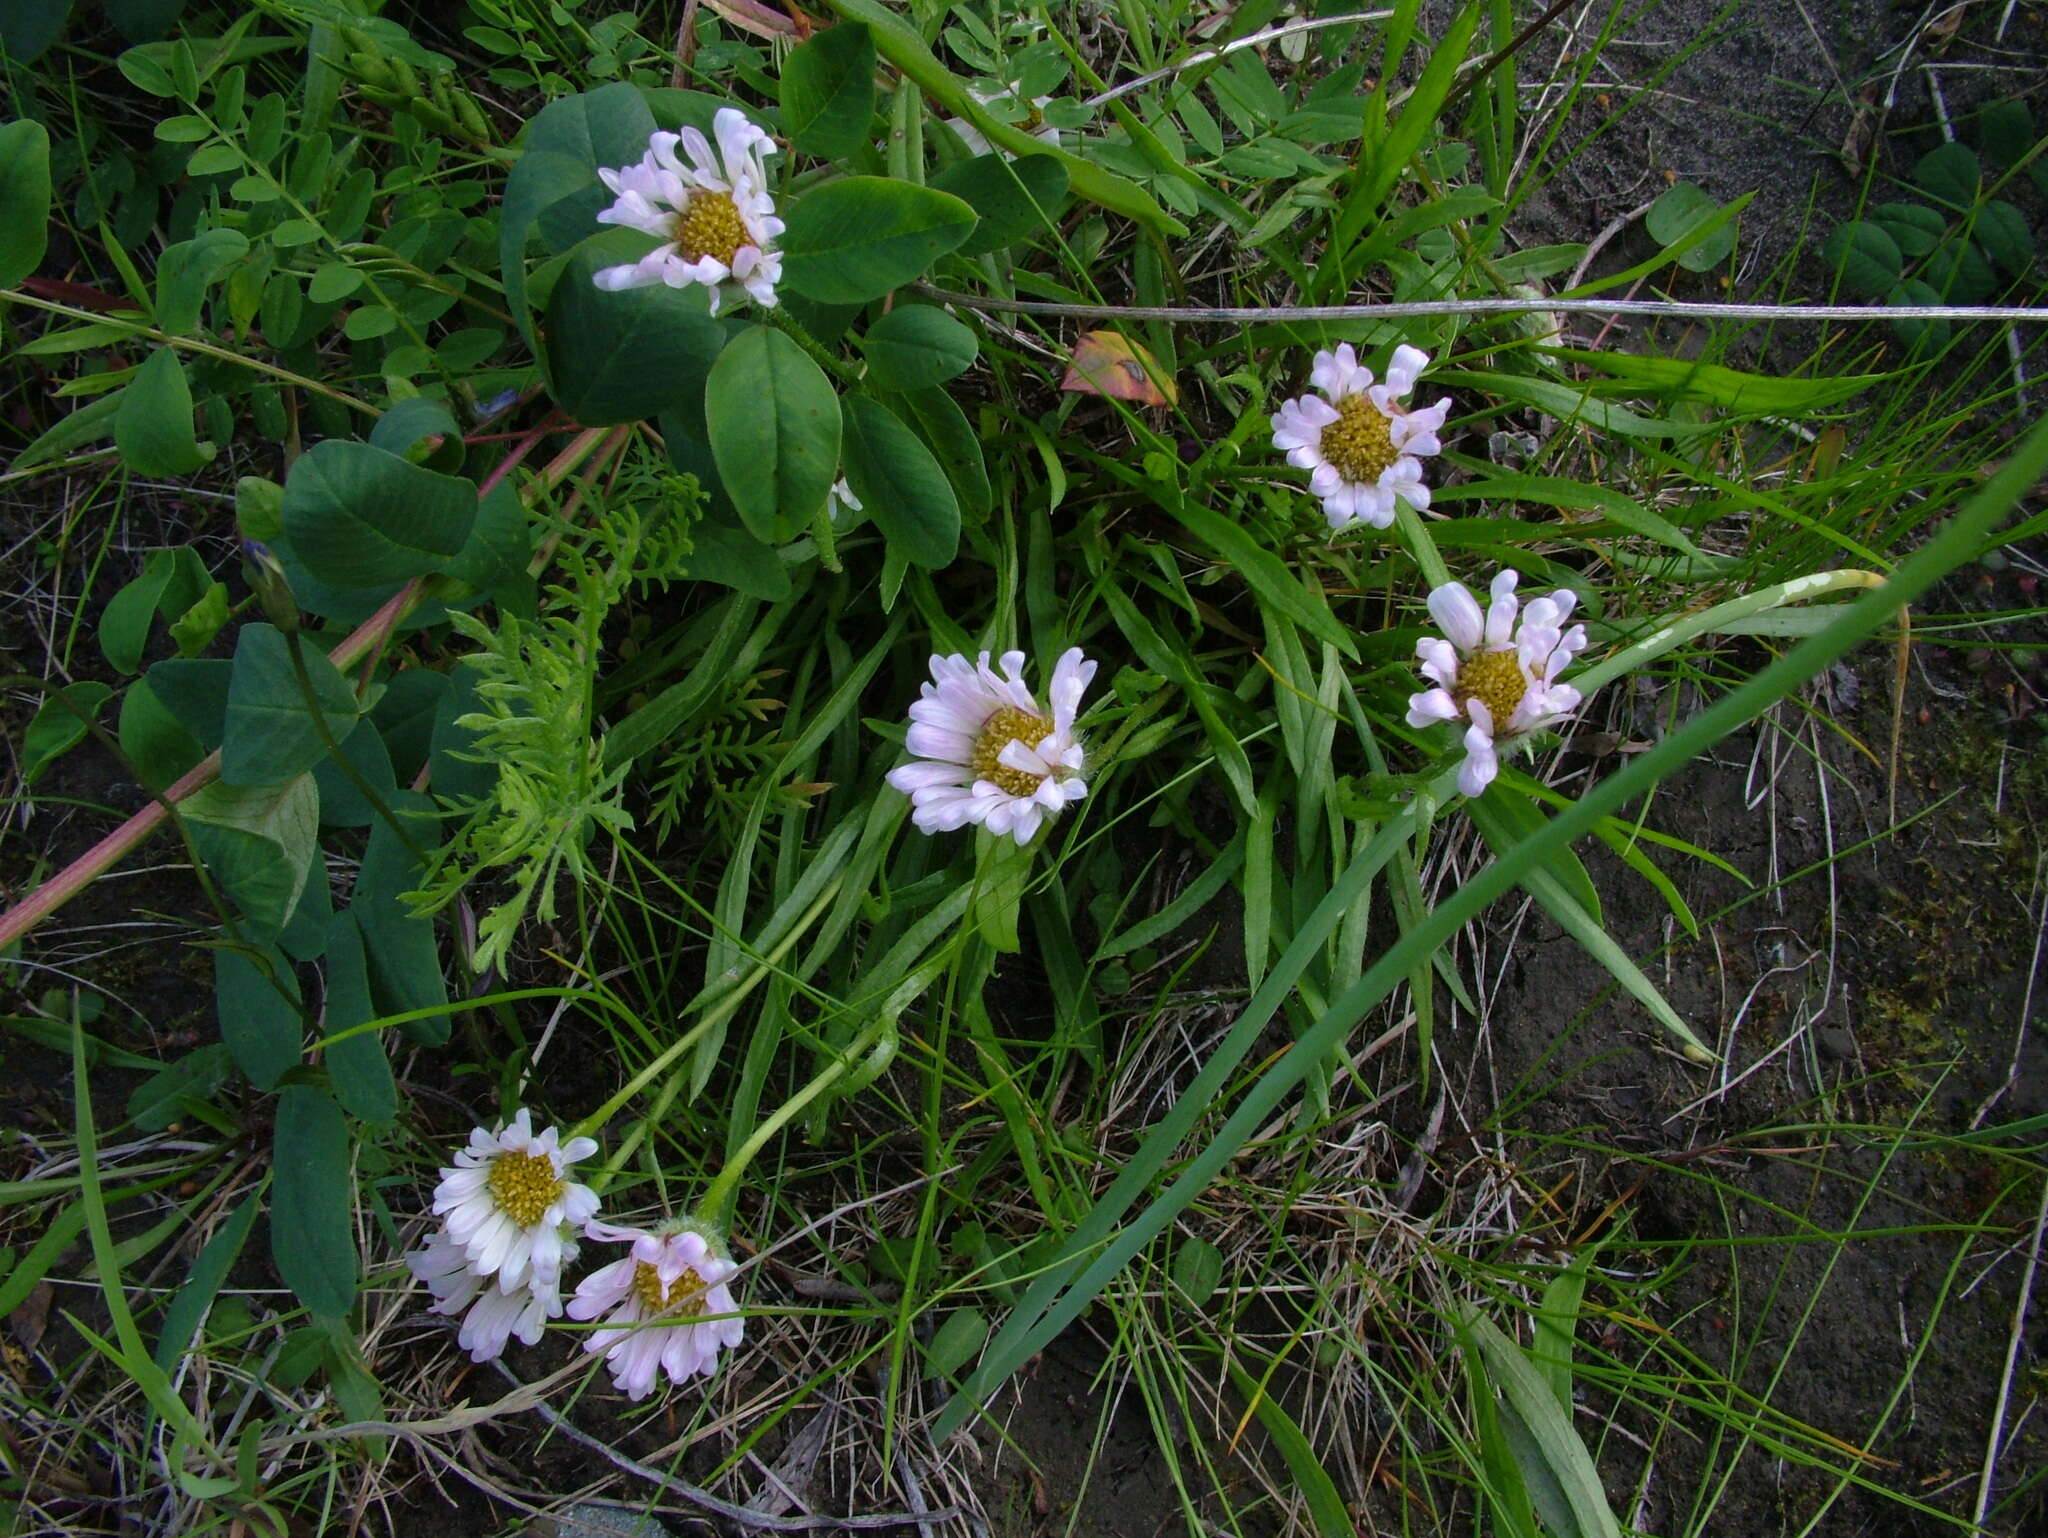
x=949, y=435
x=59, y=725
x=310, y=1198
x=153, y=426
x=258, y=843
x=628, y=355
x=855, y=239
x=419, y=430
x=773, y=423
x=1914, y=228
x=1960, y=273
x=1929, y=334
x=357, y=1065
x=195, y=692
x=172, y=581
x=554, y=187
x=915, y=346
x=2001, y=230
x=271, y=732
x=27, y=30
x=404, y=718
x=901, y=485
x=954, y=1343
x=192, y=1079
x=828, y=91
x=305, y=937
x=348, y=780
x=2006, y=130
x=258, y=1006
x=24, y=199
x=159, y=747
x=404, y=961
x=733, y=558
x=1014, y=199
x=1197, y=1270
x=1673, y=216
x=1869, y=259
x=1949, y=174
x=357, y=516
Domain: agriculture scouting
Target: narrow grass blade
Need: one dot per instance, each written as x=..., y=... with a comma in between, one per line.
x=1555, y=900
x=189, y=1307
x=1158, y=926
x=1679, y=629
x=129, y=1352
x=1325, y=1506
x=1382, y=164
x=1277, y=588
x=1071, y=1280
x=1555, y=1465
x=1557, y=1319
x=901, y=46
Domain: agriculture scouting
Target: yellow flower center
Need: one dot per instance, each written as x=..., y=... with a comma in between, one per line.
x=524, y=1185
x=1006, y=726
x=684, y=1296
x=1496, y=678
x=1360, y=443
x=710, y=225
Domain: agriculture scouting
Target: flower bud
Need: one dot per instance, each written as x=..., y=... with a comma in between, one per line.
x=272, y=588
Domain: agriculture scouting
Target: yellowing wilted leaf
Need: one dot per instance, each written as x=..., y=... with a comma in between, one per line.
x=1104, y=363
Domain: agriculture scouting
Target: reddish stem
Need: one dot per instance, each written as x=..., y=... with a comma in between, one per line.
x=368, y=636
x=81, y=872
x=505, y=467
x=77, y=295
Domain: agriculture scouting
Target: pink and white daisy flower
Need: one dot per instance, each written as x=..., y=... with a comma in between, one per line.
x=985, y=753
x=508, y=1201
x=495, y=1313
x=712, y=214
x=1498, y=677
x=666, y=1306
x=1361, y=446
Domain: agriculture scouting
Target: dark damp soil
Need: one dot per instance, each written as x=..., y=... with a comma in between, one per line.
x=1893, y=989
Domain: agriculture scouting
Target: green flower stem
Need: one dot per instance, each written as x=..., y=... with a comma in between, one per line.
x=721, y=1009
x=906, y=134
x=1415, y=535
x=1679, y=630
x=823, y=356
x=716, y=1206
x=827, y=541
